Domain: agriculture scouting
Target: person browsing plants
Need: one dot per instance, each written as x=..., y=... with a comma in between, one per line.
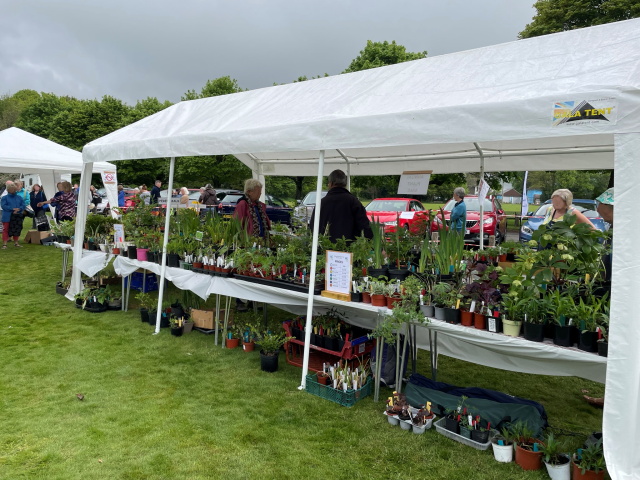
x=459, y=212
x=342, y=211
x=12, y=207
x=562, y=204
x=65, y=203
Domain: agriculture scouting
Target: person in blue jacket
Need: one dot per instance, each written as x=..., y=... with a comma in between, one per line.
x=12, y=208
x=459, y=212
x=120, y=196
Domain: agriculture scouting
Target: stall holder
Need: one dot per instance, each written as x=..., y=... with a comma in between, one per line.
x=481, y=347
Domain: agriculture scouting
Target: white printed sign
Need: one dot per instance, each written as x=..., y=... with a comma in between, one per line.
x=118, y=236
x=338, y=272
x=407, y=215
x=414, y=183
x=483, y=189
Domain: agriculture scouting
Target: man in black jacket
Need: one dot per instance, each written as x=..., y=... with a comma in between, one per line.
x=155, y=192
x=342, y=211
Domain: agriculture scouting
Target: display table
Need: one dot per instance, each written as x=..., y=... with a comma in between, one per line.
x=464, y=343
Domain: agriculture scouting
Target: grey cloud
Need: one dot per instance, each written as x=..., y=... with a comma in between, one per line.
x=138, y=48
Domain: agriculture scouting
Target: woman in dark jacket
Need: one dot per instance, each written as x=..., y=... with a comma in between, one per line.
x=35, y=197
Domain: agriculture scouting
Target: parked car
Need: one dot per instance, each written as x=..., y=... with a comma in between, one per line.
x=494, y=219
x=413, y=215
x=587, y=207
x=277, y=209
x=302, y=213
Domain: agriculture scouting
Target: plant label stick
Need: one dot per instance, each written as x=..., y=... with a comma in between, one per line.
x=473, y=306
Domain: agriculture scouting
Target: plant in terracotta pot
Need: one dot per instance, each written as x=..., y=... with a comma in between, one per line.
x=558, y=464
x=528, y=454
x=589, y=463
x=377, y=290
x=392, y=295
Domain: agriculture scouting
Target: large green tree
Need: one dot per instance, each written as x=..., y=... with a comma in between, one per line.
x=379, y=54
x=214, y=88
x=11, y=106
x=561, y=15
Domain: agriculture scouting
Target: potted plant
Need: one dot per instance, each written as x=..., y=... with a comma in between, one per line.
x=528, y=454
x=534, y=319
x=146, y=303
x=465, y=427
x=378, y=269
x=502, y=446
x=402, y=243
x=603, y=335
x=512, y=318
x=479, y=433
x=589, y=463
x=323, y=378
x=177, y=326
x=559, y=308
x=270, y=344
x=440, y=293
x=422, y=420
x=452, y=306
x=558, y=464
x=392, y=297
x=378, y=290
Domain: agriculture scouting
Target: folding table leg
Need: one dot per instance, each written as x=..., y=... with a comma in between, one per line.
x=217, y=317
x=126, y=308
x=144, y=281
x=264, y=315
x=435, y=357
x=122, y=296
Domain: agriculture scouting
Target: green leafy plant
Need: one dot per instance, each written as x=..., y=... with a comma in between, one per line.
x=440, y=293
x=146, y=301
x=378, y=243
x=270, y=343
x=592, y=458
x=551, y=450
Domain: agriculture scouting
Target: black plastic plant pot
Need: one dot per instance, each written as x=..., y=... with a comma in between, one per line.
x=295, y=333
x=466, y=433
x=340, y=345
x=151, y=317
x=480, y=437
x=124, y=253
x=603, y=349
x=378, y=272
x=356, y=297
x=493, y=324
x=452, y=315
x=164, y=321
x=533, y=332
x=177, y=310
x=575, y=335
x=399, y=274
x=60, y=290
x=511, y=257
x=588, y=341
x=173, y=260
x=92, y=246
x=562, y=335
x=446, y=278
x=331, y=343
x=269, y=363
x=151, y=257
x=452, y=425
x=548, y=329
x=133, y=252
x=177, y=332
x=144, y=315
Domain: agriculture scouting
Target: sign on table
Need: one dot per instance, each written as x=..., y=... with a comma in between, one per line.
x=414, y=183
x=118, y=236
x=338, y=272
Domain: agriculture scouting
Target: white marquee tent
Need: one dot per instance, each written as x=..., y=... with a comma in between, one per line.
x=24, y=152
x=564, y=101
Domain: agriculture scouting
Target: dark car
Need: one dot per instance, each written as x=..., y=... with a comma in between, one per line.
x=586, y=207
x=277, y=209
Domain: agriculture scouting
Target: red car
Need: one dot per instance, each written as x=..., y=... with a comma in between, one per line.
x=494, y=219
x=412, y=214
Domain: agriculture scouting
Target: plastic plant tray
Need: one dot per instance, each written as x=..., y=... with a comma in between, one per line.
x=346, y=399
x=440, y=428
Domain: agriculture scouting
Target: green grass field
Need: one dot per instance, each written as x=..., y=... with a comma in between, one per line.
x=160, y=407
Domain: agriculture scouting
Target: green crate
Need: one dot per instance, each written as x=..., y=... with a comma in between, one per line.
x=346, y=399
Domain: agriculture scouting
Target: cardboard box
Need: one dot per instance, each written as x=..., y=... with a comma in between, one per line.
x=34, y=236
x=506, y=264
x=207, y=318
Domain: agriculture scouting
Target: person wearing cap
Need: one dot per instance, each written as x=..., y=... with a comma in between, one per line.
x=604, y=205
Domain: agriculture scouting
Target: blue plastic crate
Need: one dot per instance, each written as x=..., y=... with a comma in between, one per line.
x=136, y=282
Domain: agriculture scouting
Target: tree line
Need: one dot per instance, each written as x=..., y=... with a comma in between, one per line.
x=75, y=122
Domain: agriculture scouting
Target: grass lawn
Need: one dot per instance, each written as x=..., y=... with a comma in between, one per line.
x=160, y=407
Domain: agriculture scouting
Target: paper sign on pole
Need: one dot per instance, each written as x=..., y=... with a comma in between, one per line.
x=414, y=183
x=483, y=189
x=109, y=178
x=118, y=236
x=338, y=272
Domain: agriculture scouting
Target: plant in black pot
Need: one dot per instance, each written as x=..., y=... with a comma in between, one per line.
x=146, y=303
x=560, y=307
x=535, y=318
x=270, y=344
x=378, y=243
x=586, y=314
x=452, y=312
x=440, y=293
x=177, y=326
x=603, y=332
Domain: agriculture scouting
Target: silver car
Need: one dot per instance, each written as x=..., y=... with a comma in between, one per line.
x=302, y=213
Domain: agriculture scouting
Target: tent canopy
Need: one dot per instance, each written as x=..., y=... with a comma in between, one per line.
x=24, y=152
x=558, y=102
x=503, y=97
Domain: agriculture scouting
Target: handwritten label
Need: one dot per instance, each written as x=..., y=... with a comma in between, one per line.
x=414, y=183
x=118, y=236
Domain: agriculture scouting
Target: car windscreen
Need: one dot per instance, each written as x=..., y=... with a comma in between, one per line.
x=472, y=204
x=194, y=196
x=387, y=206
x=580, y=207
x=310, y=199
x=232, y=198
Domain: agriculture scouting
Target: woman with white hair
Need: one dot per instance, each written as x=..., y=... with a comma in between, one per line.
x=251, y=212
x=458, y=218
x=561, y=205
x=184, y=199
x=12, y=207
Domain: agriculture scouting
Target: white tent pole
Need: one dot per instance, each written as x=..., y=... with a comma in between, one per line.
x=348, y=168
x=312, y=275
x=481, y=203
x=167, y=222
x=81, y=220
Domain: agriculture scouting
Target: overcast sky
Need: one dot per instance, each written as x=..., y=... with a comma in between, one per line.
x=137, y=48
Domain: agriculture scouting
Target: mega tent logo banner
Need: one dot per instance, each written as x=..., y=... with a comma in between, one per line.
x=580, y=112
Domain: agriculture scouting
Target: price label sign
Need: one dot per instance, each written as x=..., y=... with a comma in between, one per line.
x=118, y=236
x=414, y=183
x=338, y=272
